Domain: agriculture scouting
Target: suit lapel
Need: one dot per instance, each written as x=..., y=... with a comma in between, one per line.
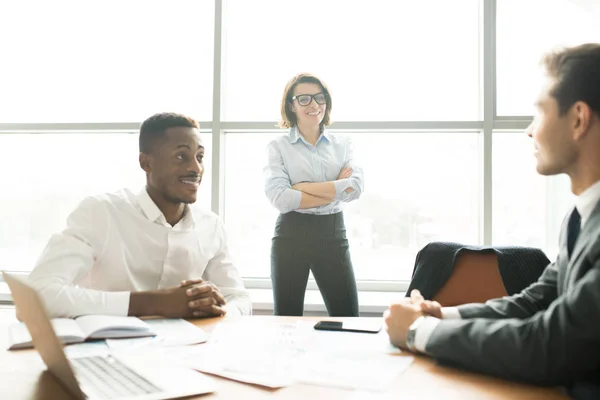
x=588, y=235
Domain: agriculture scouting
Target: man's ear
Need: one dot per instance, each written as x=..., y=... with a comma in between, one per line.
x=145, y=162
x=581, y=119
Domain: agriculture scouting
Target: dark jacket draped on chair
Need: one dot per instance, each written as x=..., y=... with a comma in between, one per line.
x=519, y=266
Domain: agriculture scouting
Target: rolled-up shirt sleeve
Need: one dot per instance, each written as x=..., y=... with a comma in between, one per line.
x=278, y=187
x=355, y=181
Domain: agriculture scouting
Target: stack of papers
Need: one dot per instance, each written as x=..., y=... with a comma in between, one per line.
x=277, y=355
x=272, y=354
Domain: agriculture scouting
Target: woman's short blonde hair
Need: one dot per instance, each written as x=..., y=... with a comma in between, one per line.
x=288, y=117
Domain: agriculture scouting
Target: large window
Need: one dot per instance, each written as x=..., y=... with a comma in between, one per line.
x=105, y=61
x=519, y=201
x=410, y=82
x=383, y=60
x=527, y=30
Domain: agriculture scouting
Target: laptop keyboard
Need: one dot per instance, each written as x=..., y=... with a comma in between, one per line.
x=107, y=377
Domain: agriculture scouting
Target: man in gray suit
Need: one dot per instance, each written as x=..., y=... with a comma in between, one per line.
x=548, y=334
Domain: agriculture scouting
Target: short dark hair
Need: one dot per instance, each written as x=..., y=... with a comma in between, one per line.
x=577, y=71
x=288, y=118
x=155, y=127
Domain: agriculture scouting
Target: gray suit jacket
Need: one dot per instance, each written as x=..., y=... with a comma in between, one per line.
x=548, y=334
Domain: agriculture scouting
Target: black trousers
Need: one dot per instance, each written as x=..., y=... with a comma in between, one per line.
x=317, y=243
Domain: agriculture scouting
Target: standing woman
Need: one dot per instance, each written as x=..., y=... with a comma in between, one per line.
x=310, y=174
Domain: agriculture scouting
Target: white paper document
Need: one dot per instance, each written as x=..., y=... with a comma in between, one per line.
x=355, y=371
x=258, y=367
x=273, y=335
x=169, y=332
x=277, y=355
x=254, y=366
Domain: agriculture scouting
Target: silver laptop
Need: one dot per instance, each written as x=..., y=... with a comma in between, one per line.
x=116, y=376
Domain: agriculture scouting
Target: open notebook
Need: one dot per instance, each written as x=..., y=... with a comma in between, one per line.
x=83, y=328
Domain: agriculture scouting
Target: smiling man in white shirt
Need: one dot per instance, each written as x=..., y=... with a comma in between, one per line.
x=150, y=252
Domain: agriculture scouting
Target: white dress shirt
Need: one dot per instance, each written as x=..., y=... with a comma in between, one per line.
x=585, y=204
x=119, y=243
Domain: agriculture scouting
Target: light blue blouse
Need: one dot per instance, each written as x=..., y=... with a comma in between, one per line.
x=291, y=160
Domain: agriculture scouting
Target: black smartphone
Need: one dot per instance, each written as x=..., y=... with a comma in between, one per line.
x=349, y=326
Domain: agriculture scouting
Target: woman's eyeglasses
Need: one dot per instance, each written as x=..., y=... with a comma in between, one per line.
x=306, y=99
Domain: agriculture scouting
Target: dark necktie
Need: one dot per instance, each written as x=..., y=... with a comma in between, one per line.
x=573, y=230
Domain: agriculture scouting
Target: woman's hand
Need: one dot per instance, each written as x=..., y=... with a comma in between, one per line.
x=299, y=186
x=345, y=173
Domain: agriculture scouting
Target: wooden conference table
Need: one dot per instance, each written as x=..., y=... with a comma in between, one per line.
x=23, y=376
